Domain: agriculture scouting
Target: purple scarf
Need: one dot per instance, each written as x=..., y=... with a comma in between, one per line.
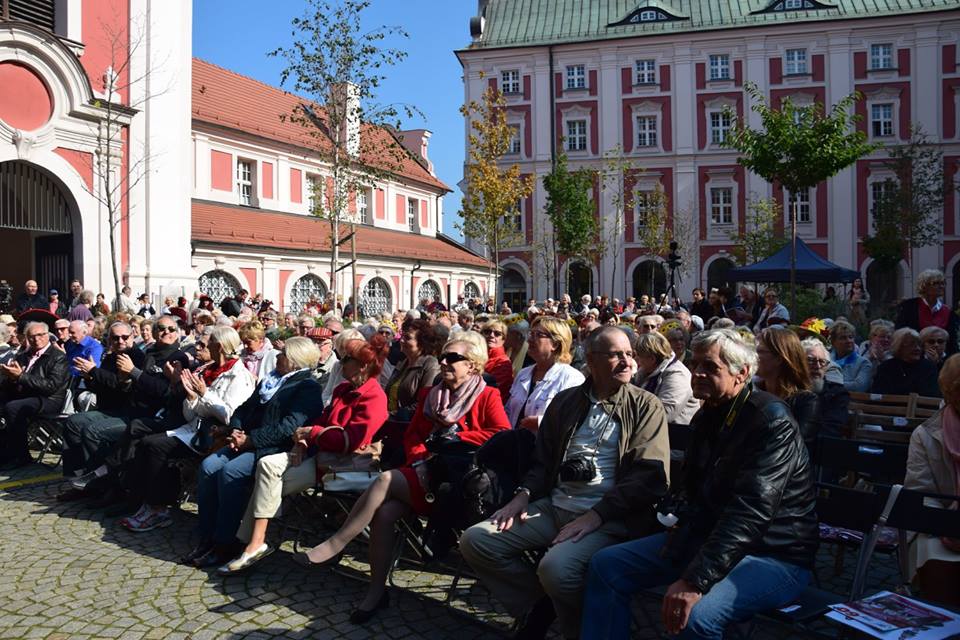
x=445, y=407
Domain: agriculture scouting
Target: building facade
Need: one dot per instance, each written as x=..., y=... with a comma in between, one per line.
x=185, y=175
x=657, y=80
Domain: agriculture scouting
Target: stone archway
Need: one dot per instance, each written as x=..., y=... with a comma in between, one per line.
x=649, y=278
x=717, y=277
x=579, y=280
x=514, y=288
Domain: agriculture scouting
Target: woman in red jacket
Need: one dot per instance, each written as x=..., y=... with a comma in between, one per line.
x=498, y=362
x=461, y=407
x=355, y=414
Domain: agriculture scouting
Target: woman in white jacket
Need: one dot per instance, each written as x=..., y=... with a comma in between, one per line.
x=212, y=392
x=663, y=374
x=548, y=343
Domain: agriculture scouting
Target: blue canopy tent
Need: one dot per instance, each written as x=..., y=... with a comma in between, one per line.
x=810, y=268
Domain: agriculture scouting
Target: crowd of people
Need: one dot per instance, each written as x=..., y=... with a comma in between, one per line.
x=244, y=406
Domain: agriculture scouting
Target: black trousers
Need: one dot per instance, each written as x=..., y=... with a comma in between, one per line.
x=18, y=412
x=150, y=476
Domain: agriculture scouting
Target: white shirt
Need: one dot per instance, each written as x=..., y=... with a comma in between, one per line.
x=522, y=401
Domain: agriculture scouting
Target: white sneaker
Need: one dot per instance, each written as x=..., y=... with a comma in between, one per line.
x=246, y=560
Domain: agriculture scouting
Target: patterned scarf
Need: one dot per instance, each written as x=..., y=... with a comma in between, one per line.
x=445, y=407
x=253, y=360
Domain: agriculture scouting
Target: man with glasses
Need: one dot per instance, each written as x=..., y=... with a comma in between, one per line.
x=934, y=343
x=61, y=330
x=602, y=461
x=34, y=383
x=648, y=324
x=826, y=380
x=929, y=310
x=323, y=337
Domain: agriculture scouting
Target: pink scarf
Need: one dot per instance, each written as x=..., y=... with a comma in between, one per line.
x=445, y=407
x=951, y=440
x=253, y=359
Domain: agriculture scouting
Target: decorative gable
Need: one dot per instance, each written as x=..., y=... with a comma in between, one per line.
x=780, y=6
x=649, y=12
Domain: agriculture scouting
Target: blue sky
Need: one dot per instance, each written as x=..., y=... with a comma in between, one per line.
x=237, y=34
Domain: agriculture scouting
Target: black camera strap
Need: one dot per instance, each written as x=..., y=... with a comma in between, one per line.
x=734, y=410
x=608, y=419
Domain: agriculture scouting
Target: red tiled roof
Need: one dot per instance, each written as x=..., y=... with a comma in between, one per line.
x=228, y=224
x=227, y=99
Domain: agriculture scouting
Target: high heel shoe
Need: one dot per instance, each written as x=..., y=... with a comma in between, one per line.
x=363, y=616
x=302, y=559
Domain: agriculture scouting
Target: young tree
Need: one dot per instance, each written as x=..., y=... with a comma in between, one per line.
x=615, y=179
x=338, y=66
x=577, y=232
x=762, y=236
x=799, y=147
x=494, y=193
x=908, y=214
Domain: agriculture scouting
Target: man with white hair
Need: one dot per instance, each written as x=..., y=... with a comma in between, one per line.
x=31, y=298
x=826, y=379
x=648, y=324
x=81, y=345
x=583, y=305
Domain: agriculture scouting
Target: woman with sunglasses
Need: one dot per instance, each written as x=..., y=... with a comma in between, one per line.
x=420, y=345
x=548, y=343
x=498, y=362
x=462, y=407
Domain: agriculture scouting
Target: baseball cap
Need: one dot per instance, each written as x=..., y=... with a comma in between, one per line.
x=53, y=292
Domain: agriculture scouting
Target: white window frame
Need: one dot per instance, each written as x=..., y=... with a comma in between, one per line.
x=878, y=183
x=577, y=141
x=792, y=4
x=576, y=77
x=647, y=137
x=246, y=179
x=313, y=180
x=510, y=82
x=805, y=206
x=882, y=125
x=881, y=56
x=363, y=208
x=719, y=64
x=795, y=62
x=720, y=126
x=516, y=141
x=413, y=214
x=720, y=204
x=645, y=71
x=641, y=201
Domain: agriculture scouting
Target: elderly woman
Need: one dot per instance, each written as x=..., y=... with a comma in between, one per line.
x=147, y=337
x=498, y=363
x=857, y=370
x=420, y=345
x=358, y=410
x=213, y=392
x=515, y=345
x=907, y=371
x=933, y=465
x=660, y=371
x=462, y=407
x=782, y=370
x=771, y=309
x=928, y=308
x=876, y=347
x=283, y=402
x=679, y=341
x=335, y=377
x=934, y=343
x=258, y=355
x=548, y=344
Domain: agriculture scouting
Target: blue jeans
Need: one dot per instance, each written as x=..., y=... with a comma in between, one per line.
x=223, y=488
x=616, y=573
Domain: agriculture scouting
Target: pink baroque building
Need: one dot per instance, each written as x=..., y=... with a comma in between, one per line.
x=214, y=187
x=656, y=77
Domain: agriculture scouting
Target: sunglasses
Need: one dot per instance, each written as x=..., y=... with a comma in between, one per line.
x=166, y=329
x=201, y=345
x=119, y=338
x=451, y=358
x=492, y=332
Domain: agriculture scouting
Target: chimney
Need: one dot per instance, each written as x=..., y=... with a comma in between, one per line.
x=416, y=142
x=345, y=110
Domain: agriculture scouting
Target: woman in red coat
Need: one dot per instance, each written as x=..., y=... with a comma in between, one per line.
x=461, y=407
x=498, y=362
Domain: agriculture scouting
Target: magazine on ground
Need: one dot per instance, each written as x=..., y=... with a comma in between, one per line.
x=891, y=616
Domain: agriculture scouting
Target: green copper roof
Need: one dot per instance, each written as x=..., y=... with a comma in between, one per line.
x=512, y=23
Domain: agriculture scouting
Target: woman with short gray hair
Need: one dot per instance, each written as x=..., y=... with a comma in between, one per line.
x=928, y=308
x=907, y=371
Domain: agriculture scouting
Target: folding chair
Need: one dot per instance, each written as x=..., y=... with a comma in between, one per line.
x=44, y=433
x=883, y=404
x=883, y=462
x=892, y=429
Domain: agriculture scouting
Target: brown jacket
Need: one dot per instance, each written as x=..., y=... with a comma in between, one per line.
x=412, y=378
x=643, y=470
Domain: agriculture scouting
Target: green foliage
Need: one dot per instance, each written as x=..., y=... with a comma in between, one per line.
x=576, y=229
x=762, y=236
x=810, y=304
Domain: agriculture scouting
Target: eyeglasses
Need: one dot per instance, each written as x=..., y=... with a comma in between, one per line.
x=492, y=332
x=817, y=363
x=540, y=335
x=617, y=355
x=936, y=340
x=386, y=333
x=165, y=328
x=119, y=338
x=201, y=345
x=451, y=358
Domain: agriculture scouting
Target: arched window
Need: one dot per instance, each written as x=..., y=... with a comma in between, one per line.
x=514, y=289
x=717, y=274
x=429, y=289
x=376, y=298
x=649, y=278
x=218, y=285
x=579, y=280
x=303, y=289
x=471, y=291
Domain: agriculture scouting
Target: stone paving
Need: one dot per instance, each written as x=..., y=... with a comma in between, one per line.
x=68, y=572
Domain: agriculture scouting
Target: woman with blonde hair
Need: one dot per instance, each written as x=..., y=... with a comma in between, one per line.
x=461, y=408
x=548, y=343
x=258, y=355
x=661, y=372
x=782, y=370
x=498, y=363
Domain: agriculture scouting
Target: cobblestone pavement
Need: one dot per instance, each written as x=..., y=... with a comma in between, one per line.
x=68, y=572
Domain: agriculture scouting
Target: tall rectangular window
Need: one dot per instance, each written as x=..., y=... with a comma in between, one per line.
x=720, y=66
x=363, y=209
x=576, y=77
x=880, y=191
x=721, y=205
x=413, y=213
x=514, y=140
x=641, y=207
x=646, y=71
x=646, y=131
x=514, y=220
x=720, y=125
x=510, y=81
x=314, y=194
x=245, y=181
x=881, y=119
x=802, y=201
x=881, y=56
x=576, y=135
x=796, y=61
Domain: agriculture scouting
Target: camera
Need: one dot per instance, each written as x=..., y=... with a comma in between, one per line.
x=578, y=469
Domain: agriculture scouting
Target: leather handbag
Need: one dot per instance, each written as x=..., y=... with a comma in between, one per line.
x=364, y=459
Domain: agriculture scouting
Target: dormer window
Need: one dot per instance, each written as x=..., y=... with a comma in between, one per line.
x=643, y=15
x=794, y=5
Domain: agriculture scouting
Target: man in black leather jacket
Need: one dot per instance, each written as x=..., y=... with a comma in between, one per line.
x=747, y=532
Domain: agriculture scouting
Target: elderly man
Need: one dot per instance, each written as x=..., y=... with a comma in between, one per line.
x=126, y=303
x=34, y=383
x=81, y=345
x=602, y=461
x=323, y=337
x=746, y=537
x=31, y=298
x=648, y=324
x=827, y=382
x=61, y=331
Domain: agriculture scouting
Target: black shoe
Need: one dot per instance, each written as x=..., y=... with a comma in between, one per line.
x=302, y=559
x=363, y=616
x=198, y=551
x=538, y=621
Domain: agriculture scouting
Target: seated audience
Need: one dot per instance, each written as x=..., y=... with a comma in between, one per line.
x=462, y=407
x=335, y=377
x=876, y=348
x=323, y=338
x=147, y=334
x=782, y=371
x=258, y=355
x=679, y=340
x=934, y=343
x=498, y=363
x=33, y=384
x=420, y=344
x=771, y=309
x=647, y=324
x=601, y=462
x=358, y=410
x=660, y=372
x=928, y=308
x=746, y=538
x=933, y=465
x=907, y=371
x=857, y=370
x=548, y=344
x=826, y=381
